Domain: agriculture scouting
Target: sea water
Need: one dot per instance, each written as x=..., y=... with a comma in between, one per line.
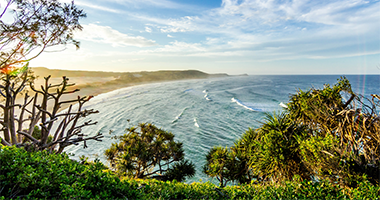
x=201, y=113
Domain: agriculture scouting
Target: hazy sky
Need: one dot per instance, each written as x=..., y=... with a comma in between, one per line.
x=229, y=36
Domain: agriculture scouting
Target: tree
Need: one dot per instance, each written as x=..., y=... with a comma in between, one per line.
x=43, y=175
x=37, y=25
x=269, y=153
x=243, y=150
x=148, y=151
x=343, y=142
x=43, y=109
x=330, y=133
x=230, y=164
x=219, y=164
x=275, y=154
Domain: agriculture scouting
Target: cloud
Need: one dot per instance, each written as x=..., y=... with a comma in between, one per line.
x=97, y=7
x=248, y=24
x=147, y=29
x=175, y=48
x=180, y=47
x=94, y=6
x=248, y=30
x=184, y=24
x=154, y=3
x=105, y=34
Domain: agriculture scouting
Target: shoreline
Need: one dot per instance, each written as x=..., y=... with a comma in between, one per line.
x=88, y=89
x=97, y=88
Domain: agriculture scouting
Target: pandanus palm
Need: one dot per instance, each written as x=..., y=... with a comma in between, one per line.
x=347, y=132
x=275, y=153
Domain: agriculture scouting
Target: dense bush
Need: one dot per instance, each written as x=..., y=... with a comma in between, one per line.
x=152, y=189
x=33, y=175
x=43, y=175
x=342, y=143
x=145, y=147
x=320, y=136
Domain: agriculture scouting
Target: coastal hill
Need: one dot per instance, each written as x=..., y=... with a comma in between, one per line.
x=57, y=73
x=127, y=77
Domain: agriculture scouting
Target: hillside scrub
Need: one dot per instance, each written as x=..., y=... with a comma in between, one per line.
x=329, y=134
x=146, y=151
x=284, y=159
x=46, y=175
x=43, y=175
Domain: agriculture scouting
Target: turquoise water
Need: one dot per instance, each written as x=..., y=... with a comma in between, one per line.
x=201, y=113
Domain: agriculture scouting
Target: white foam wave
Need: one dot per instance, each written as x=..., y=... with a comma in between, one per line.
x=238, y=102
x=283, y=105
x=196, y=123
x=206, y=96
x=179, y=116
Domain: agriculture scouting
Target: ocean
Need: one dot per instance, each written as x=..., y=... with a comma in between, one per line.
x=201, y=113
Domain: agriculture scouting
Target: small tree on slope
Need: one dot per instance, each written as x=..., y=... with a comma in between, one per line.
x=147, y=151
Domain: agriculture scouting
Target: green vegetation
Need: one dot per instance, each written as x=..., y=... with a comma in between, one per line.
x=227, y=165
x=38, y=25
x=289, y=190
x=43, y=175
x=33, y=26
x=145, y=147
x=319, y=137
x=325, y=145
x=283, y=159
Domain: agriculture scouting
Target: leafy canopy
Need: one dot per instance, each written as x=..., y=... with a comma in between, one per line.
x=148, y=151
x=34, y=26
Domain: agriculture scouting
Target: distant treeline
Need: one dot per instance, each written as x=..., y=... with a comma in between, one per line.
x=128, y=77
x=54, y=73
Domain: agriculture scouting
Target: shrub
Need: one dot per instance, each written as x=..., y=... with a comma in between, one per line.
x=145, y=147
x=44, y=175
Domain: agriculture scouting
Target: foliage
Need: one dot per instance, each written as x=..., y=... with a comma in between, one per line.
x=148, y=151
x=227, y=165
x=30, y=28
x=152, y=189
x=180, y=170
x=44, y=175
x=274, y=155
x=270, y=153
x=37, y=135
x=242, y=150
x=343, y=143
x=219, y=163
x=35, y=26
x=325, y=134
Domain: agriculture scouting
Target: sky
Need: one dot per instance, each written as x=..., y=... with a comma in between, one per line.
x=225, y=36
